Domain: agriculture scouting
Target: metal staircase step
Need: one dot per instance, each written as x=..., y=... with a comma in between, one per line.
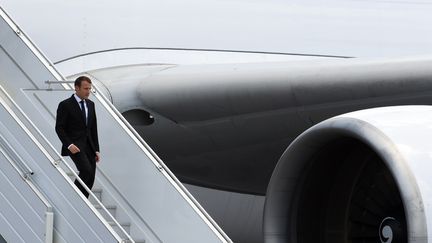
x=111, y=209
x=98, y=193
x=71, y=175
x=126, y=227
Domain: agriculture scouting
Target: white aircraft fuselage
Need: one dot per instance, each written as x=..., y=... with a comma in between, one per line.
x=220, y=89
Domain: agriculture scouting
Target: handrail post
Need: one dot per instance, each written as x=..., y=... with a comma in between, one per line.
x=49, y=225
x=54, y=162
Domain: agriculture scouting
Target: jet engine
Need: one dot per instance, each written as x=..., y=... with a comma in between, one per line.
x=364, y=176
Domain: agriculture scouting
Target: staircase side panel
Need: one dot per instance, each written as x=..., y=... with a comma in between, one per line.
x=22, y=213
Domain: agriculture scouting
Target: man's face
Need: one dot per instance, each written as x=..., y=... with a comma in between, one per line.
x=84, y=90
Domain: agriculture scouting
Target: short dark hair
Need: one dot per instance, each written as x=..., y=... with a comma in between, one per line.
x=80, y=79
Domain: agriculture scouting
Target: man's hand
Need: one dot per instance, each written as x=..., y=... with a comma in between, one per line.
x=97, y=156
x=74, y=149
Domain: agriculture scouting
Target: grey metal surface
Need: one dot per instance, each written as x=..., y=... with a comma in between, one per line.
x=333, y=27
x=22, y=214
x=72, y=214
x=240, y=215
x=51, y=153
x=150, y=190
x=19, y=67
x=145, y=178
x=14, y=190
x=225, y=126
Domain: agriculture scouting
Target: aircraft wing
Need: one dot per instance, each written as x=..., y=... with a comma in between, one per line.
x=225, y=126
x=289, y=131
x=220, y=89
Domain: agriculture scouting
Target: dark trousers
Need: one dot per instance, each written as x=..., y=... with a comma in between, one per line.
x=85, y=161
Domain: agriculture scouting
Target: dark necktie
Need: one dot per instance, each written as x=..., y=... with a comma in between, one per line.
x=83, y=111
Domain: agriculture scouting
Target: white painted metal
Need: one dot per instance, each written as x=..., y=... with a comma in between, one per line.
x=68, y=168
x=38, y=53
x=335, y=17
x=335, y=27
x=115, y=166
x=49, y=226
x=168, y=208
x=12, y=220
x=172, y=178
x=51, y=182
x=7, y=150
x=47, y=146
x=23, y=206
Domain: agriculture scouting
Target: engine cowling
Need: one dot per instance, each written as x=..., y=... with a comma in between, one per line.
x=364, y=176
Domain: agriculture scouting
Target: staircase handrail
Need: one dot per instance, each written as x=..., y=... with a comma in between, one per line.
x=56, y=162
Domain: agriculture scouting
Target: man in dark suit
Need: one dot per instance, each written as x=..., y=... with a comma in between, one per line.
x=77, y=129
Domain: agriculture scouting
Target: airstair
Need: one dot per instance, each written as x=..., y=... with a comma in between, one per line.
x=135, y=198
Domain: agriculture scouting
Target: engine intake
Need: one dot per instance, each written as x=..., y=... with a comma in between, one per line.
x=359, y=177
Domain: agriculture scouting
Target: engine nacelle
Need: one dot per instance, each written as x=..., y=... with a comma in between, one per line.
x=365, y=176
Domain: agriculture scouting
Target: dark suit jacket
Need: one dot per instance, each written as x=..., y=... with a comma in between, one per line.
x=71, y=127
